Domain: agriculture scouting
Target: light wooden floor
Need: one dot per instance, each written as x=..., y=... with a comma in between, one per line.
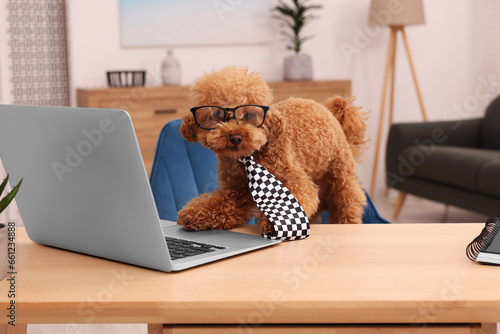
x=420, y=210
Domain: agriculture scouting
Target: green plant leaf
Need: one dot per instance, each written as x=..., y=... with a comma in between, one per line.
x=310, y=18
x=308, y=8
x=306, y=38
x=293, y=16
x=285, y=11
x=10, y=196
x=4, y=183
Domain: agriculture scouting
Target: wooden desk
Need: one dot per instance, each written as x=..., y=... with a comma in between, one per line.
x=152, y=107
x=344, y=277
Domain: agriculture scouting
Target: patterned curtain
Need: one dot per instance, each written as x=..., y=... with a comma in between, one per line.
x=38, y=52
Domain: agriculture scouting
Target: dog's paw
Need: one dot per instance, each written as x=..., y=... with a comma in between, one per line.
x=192, y=221
x=266, y=226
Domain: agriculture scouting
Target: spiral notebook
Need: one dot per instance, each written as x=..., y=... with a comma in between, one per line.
x=486, y=246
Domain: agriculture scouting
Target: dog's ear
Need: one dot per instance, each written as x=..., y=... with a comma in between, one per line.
x=188, y=128
x=275, y=123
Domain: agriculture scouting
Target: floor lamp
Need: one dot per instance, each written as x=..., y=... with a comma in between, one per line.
x=396, y=15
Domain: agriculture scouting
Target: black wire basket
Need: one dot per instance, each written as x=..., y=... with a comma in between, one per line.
x=126, y=78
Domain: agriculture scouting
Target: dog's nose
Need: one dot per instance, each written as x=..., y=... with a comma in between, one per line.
x=235, y=139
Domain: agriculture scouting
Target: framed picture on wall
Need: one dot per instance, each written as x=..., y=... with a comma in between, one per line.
x=195, y=22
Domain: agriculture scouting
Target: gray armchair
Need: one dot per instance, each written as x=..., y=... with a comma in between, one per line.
x=454, y=162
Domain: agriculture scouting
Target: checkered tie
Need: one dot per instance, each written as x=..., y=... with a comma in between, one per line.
x=277, y=202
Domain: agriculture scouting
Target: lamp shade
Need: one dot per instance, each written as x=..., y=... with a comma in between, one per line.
x=396, y=12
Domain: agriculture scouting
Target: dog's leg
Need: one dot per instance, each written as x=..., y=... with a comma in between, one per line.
x=220, y=209
x=265, y=225
x=306, y=192
x=346, y=199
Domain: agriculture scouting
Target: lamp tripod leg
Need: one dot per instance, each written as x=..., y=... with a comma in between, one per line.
x=388, y=69
x=414, y=74
x=393, y=70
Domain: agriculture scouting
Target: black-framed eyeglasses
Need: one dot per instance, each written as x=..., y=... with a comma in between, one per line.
x=207, y=117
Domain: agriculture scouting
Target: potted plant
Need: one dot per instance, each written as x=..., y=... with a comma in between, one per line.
x=293, y=18
x=4, y=202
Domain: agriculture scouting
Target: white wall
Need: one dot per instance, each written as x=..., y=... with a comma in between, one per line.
x=445, y=53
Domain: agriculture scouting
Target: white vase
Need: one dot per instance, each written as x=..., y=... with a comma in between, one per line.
x=298, y=67
x=170, y=70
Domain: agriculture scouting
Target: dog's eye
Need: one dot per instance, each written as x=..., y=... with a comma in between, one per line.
x=248, y=116
x=217, y=115
x=208, y=117
x=253, y=115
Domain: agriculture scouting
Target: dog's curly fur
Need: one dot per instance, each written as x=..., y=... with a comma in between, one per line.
x=310, y=147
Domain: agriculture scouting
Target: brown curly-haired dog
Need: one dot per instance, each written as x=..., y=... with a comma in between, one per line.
x=310, y=148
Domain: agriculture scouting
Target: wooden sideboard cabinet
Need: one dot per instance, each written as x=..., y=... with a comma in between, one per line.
x=153, y=107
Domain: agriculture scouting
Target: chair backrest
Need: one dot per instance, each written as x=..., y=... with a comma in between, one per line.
x=182, y=171
x=490, y=136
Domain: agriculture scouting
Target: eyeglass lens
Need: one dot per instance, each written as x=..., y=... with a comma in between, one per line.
x=209, y=117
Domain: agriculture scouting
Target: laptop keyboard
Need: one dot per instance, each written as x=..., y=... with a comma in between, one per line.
x=180, y=248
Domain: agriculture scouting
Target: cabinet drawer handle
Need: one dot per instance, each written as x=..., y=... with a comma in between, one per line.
x=166, y=111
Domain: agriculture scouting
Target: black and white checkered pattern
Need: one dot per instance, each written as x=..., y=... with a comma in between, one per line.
x=277, y=202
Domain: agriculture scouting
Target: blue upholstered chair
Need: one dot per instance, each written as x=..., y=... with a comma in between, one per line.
x=182, y=171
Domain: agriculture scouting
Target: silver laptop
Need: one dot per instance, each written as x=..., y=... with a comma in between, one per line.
x=86, y=189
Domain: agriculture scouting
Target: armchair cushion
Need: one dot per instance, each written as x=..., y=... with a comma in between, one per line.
x=460, y=167
x=489, y=178
x=490, y=132
x=428, y=136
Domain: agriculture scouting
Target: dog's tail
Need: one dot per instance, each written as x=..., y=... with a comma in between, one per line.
x=352, y=120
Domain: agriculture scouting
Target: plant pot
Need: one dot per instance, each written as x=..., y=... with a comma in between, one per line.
x=298, y=67
x=4, y=260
